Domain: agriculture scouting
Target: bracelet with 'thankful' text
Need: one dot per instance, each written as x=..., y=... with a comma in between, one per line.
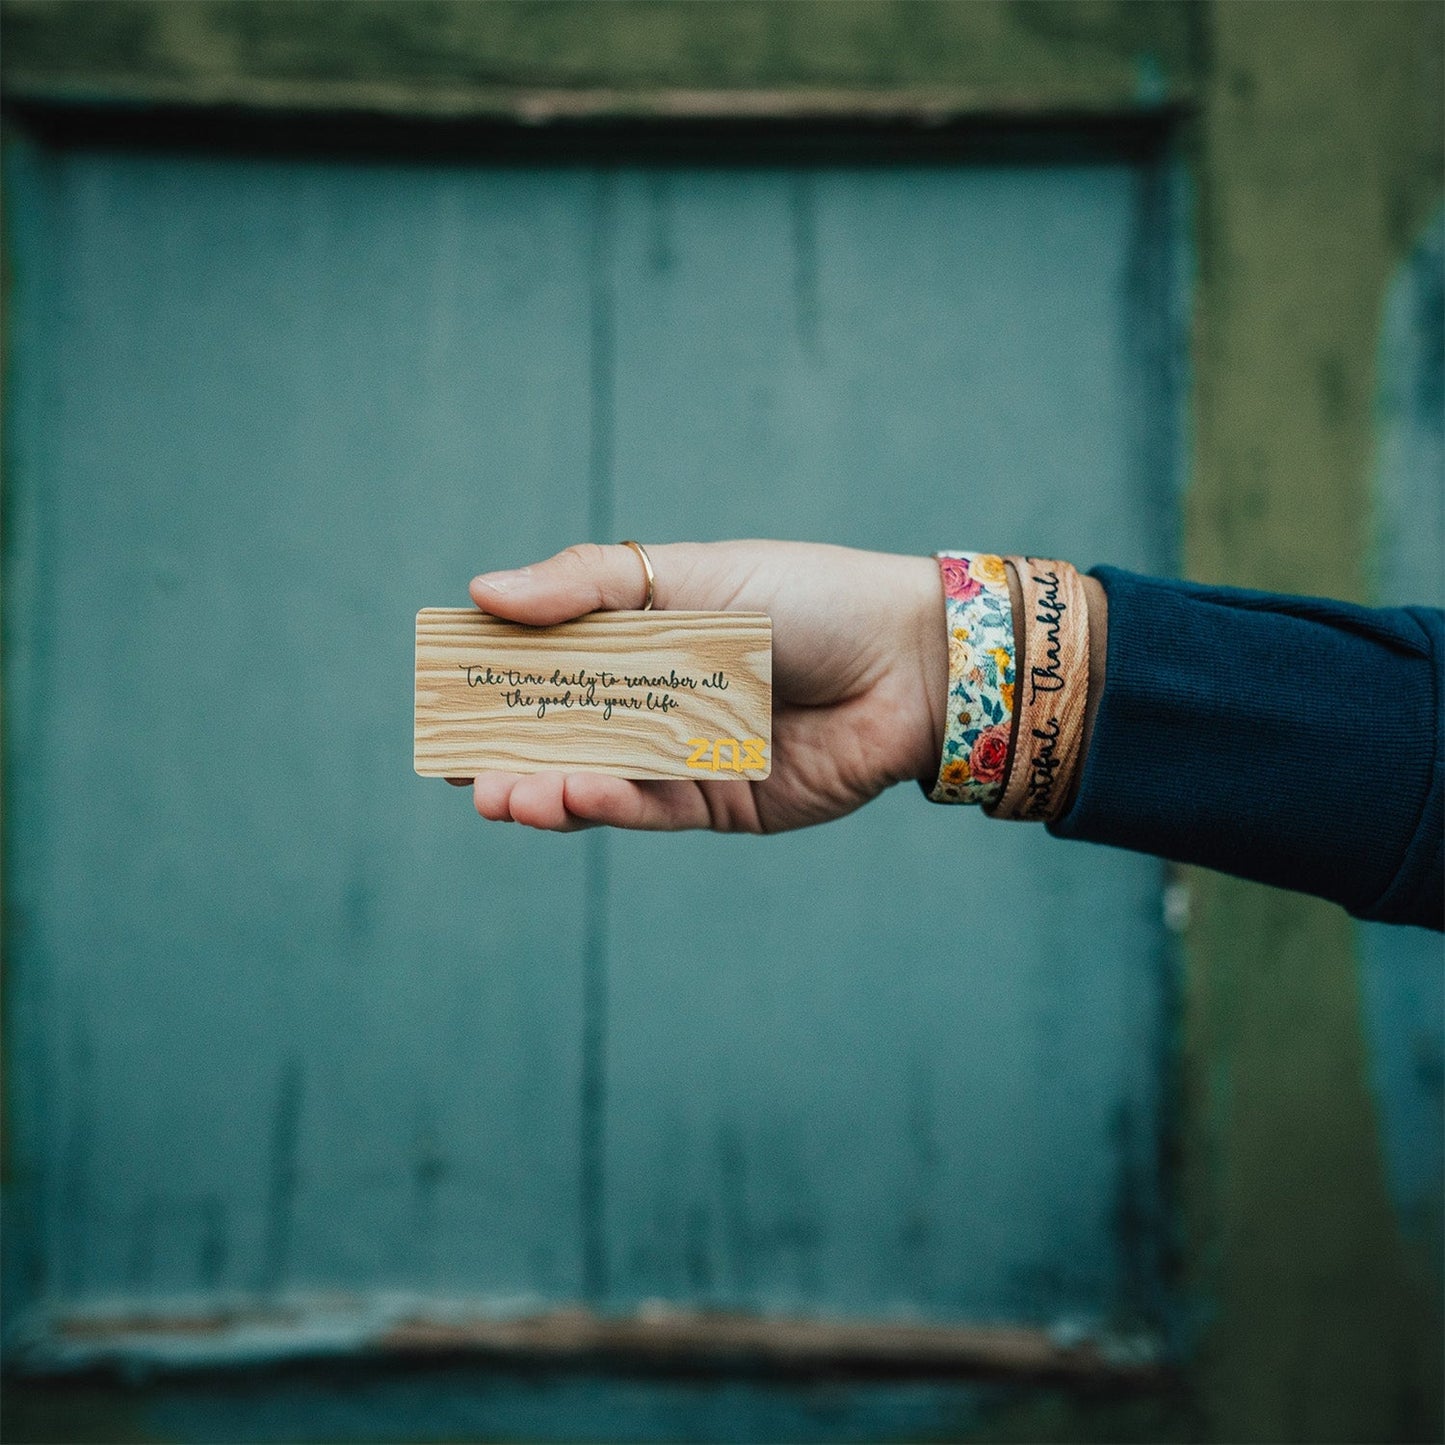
x=1053, y=692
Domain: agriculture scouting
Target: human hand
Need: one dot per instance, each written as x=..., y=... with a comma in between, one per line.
x=860, y=674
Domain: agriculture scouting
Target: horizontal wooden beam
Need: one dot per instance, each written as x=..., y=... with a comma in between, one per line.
x=657, y=1341
x=556, y=59
x=782, y=1345
x=526, y=106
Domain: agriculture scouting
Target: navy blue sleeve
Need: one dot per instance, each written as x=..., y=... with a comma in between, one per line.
x=1291, y=740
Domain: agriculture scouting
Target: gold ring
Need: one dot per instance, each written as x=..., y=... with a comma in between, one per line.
x=647, y=568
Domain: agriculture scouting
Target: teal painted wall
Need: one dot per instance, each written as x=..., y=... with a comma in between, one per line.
x=288, y=1022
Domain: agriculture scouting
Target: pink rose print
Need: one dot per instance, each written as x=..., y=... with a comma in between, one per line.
x=956, y=581
x=990, y=753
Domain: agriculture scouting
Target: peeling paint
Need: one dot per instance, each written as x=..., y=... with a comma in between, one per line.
x=152, y=1336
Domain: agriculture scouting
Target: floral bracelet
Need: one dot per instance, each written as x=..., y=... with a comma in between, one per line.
x=979, y=617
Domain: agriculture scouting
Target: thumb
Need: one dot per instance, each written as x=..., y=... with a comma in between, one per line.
x=584, y=578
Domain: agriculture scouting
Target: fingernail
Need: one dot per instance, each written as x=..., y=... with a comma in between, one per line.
x=504, y=581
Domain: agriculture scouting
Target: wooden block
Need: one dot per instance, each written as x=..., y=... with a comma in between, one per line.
x=634, y=694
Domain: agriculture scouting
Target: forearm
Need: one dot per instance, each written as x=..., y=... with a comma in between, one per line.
x=1291, y=740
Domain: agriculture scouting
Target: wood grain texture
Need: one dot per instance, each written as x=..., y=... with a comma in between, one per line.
x=633, y=694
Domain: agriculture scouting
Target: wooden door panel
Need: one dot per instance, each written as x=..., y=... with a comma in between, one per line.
x=300, y=1022
x=293, y=1025
x=911, y=1061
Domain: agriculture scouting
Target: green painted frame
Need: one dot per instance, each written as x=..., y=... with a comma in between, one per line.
x=540, y=60
x=1316, y=149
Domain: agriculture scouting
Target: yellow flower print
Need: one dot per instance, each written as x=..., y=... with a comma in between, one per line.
x=1007, y=689
x=989, y=569
x=955, y=774
x=1001, y=656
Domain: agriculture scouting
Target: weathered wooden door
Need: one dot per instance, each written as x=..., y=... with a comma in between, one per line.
x=306, y=1058
x=306, y=1035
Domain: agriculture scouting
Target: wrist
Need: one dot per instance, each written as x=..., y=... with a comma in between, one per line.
x=927, y=639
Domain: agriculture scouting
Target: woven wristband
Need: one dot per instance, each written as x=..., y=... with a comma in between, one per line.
x=1053, y=692
x=979, y=617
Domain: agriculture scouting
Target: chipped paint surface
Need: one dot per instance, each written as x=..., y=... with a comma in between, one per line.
x=154, y=1336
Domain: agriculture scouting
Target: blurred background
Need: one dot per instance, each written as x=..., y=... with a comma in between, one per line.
x=332, y=1114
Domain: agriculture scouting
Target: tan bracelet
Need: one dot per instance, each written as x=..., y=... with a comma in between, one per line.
x=1053, y=691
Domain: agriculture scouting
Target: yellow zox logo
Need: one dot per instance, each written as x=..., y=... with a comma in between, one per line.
x=707, y=754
